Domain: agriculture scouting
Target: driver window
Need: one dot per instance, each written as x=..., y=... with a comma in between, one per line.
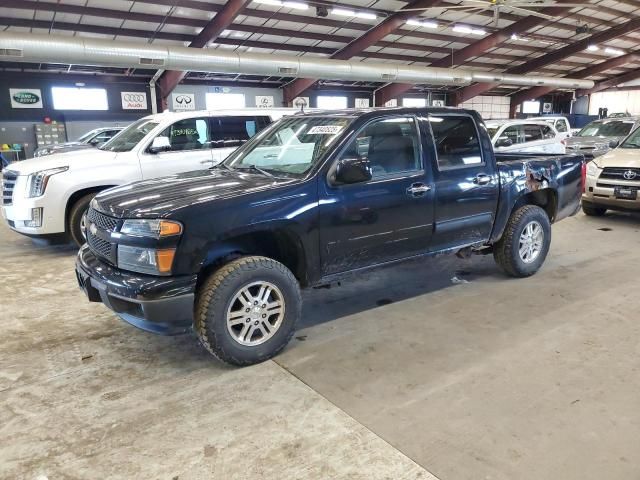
x=188, y=134
x=513, y=134
x=392, y=146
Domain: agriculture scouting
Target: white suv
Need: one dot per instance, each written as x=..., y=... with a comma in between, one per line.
x=49, y=196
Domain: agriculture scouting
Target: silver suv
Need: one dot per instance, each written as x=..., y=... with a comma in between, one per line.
x=594, y=140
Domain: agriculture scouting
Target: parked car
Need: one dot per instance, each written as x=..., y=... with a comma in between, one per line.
x=613, y=179
x=94, y=138
x=524, y=136
x=561, y=124
x=305, y=202
x=50, y=195
x=593, y=140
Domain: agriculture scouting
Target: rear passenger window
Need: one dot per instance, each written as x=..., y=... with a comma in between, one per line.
x=532, y=133
x=456, y=140
x=231, y=132
x=512, y=133
x=188, y=134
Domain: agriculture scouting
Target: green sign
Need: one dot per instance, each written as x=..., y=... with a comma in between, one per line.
x=26, y=98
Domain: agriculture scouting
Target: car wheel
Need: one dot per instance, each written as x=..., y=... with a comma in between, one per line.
x=592, y=210
x=525, y=242
x=246, y=311
x=77, y=219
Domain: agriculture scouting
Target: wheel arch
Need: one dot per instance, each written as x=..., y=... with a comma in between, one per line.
x=77, y=195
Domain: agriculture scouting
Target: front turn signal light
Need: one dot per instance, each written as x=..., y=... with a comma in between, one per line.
x=164, y=259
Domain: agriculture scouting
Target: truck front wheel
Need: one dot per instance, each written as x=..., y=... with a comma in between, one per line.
x=246, y=311
x=525, y=242
x=77, y=218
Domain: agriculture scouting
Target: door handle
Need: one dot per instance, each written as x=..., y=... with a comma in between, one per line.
x=482, y=179
x=418, y=189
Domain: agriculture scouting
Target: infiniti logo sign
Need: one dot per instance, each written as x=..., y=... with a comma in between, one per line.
x=629, y=175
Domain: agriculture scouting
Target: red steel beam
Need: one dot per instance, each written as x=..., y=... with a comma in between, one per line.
x=548, y=58
x=360, y=44
x=393, y=90
x=611, y=83
x=225, y=17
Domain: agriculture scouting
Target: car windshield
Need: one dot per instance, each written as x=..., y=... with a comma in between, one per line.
x=87, y=136
x=633, y=141
x=291, y=147
x=130, y=136
x=614, y=128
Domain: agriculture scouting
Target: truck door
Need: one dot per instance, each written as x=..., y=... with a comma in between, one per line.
x=466, y=183
x=386, y=218
x=188, y=148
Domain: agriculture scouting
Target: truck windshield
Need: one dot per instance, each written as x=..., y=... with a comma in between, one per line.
x=291, y=146
x=633, y=141
x=615, y=128
x=130, y=136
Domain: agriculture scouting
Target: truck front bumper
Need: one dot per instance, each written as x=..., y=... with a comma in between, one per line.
x=162, y=305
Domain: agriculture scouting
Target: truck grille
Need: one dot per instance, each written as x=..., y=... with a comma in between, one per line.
x=98, y=241
x=9, y=180
x=617, y=173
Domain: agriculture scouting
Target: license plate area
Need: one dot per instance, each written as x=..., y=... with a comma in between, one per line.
x=626, y=193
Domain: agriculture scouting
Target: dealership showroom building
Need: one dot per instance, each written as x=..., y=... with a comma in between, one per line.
x=320, y=239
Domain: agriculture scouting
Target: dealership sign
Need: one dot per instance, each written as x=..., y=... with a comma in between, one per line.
x=183, y=101
x=25, y=98
x=134, y=100
x=264, y=101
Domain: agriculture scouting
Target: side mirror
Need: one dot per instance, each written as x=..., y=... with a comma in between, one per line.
x=94, y=142
x=504, y=142
x=614, y=143
x=353, y=170
x=160, y=144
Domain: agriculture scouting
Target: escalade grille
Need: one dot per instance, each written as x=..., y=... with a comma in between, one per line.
x=616, y=173
x=98, y=242
x=9, y=180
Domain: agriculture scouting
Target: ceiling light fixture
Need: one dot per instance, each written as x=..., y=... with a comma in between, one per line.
x=422, y=23
x=613, y=51
x=517, y=38
x=284, y=3
x=468, y=30
x=593, y=48
x=345, y=12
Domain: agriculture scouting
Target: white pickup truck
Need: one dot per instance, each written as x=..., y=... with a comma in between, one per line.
x=49, y=196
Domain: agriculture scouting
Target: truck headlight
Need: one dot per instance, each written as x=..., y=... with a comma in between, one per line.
x=146, y=260
x=592, y=169
x=37, y=182
x=151, y=228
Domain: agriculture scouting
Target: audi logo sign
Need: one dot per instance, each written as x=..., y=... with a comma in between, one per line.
x=134, y=100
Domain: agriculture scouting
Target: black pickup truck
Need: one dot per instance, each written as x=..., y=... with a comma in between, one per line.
x=314, y=197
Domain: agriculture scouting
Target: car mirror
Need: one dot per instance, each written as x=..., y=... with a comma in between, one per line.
x=504, y=142
x=94, y=142
x=614, y=143
x=160, y=144
x=353, y=170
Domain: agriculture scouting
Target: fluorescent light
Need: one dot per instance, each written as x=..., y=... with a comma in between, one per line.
x=516, y=37
x=345, y=12
x=422, y=23
x=593, y=48
x=613, y=51
x=468, y=30
x=285, y=3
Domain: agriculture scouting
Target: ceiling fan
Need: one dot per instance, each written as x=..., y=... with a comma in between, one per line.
x=517, y=6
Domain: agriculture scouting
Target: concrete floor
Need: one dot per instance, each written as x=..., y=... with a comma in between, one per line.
x=402, y=374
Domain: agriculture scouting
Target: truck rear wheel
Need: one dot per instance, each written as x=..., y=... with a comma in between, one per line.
x=246, y=312
x=593, y=210
x=525, y=242
x=77, y=218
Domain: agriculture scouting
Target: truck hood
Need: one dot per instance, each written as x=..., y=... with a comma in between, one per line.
x=620, y=157
x=159, y=197
x=75, y=158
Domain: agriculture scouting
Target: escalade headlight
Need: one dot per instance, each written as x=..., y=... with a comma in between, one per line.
x=146, y=260
x=37, y=182
x=592, y=169
x=151, y=228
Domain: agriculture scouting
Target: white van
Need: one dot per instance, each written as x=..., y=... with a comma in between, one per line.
x=525, y=136
x=561, y=124
x=50, y=195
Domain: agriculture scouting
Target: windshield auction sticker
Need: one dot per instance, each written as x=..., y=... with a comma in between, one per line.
x=325, y=130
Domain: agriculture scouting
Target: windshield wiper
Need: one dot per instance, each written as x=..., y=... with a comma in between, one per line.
x=255, y=169
x=221, y=165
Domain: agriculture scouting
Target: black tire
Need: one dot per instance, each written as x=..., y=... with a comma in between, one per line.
x=215, y=297
x=507, y=251
x=74, y=222
x=592, y=210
